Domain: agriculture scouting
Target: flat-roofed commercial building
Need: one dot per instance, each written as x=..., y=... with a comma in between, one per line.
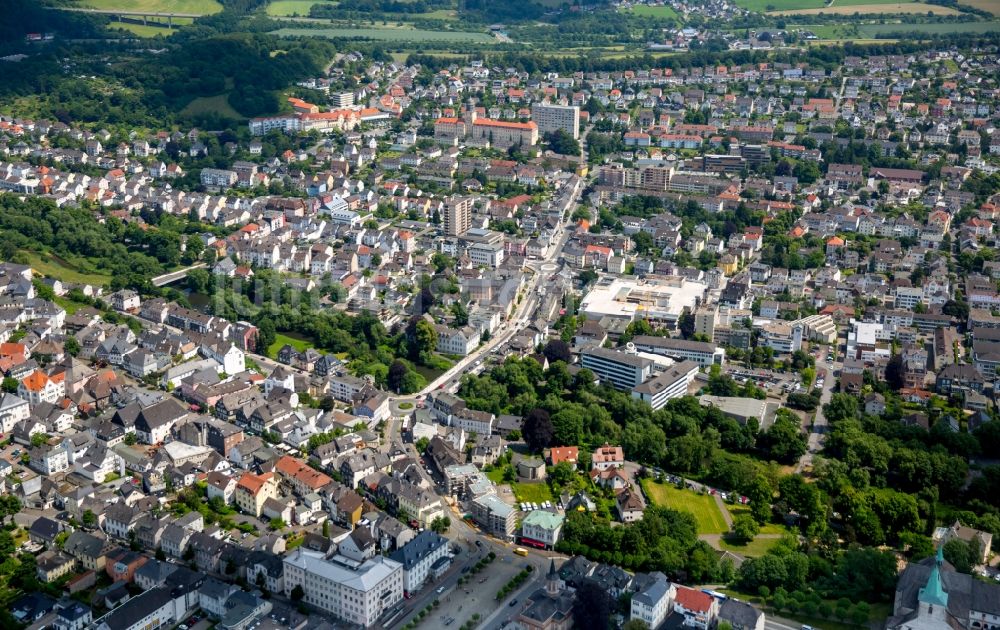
x=701, y=352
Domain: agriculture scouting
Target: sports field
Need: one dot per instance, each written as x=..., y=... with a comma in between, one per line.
x=873, y=9
x=389, y=34
x=706, y=511
x=200, y=7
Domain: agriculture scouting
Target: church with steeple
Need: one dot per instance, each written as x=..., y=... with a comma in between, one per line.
x=931, y=595
x=550, y=607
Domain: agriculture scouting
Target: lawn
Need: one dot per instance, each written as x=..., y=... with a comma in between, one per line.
x=532, y=492
x=874, y=9
x=200, y=7
x=51, y=266
x=280, y=340
x=389, y=34
x=655, y=12
x=496, y=475
x=218, y=104
x=754, y=549
x=703, y=506
x=285, y=8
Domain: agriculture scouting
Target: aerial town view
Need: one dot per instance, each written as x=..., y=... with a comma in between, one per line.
x=499, y=314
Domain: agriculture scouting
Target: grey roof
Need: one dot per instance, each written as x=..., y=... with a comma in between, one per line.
x=426, y=543
x=132, y=611
x=739, y=614
x=964, y=592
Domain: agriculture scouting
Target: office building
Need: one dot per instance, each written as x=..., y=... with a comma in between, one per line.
x=671, y=383
x=701, y=352
x=356, y=592
x=541, y=527
x=550, y=118
x=624, y=370
x=426, y=556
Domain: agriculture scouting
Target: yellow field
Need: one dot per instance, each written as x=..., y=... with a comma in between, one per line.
x=894, y=7
x=993, y=6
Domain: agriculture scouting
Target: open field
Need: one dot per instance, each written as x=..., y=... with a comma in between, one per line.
x=993, y=6
x=52, y=266
x=389, y=34
x=874, y=9
x=779, y=5
x=703, y=506
x=770, y=528
x=874, y=30
x=218, y=104
x=281, y=8
x=654, y=12
x=201, y=7
x=144, y=31
x=280, y=340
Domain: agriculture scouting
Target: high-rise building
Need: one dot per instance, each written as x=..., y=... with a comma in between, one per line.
x=704, y=322
x=457, y=216
x=550, y=117
x=342, y=99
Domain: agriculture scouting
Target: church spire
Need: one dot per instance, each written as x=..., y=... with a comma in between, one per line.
x=933, y=592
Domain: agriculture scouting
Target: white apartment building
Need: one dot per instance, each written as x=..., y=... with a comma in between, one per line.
x=671, y=383
x=460, y=341
x=13, y=409
x=783, y=338
x=550, y=118
x=356, y=592
x=653, y=603
x=908, y=297
x=472, y=421
x=424, y=556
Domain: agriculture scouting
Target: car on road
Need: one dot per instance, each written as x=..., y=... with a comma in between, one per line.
x=440, y=590
x=513, y=602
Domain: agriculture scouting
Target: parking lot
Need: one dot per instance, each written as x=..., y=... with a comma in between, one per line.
x=774, y=383
x=459, y=603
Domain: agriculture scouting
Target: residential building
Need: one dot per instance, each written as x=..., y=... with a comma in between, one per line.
x=494, y=516
x=550, y=118
x=425, y=557
x=542, y=527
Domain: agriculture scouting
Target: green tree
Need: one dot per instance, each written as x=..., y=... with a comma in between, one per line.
x=297, y=593
x=744, y=529
x=89, y=519
x=10, y=385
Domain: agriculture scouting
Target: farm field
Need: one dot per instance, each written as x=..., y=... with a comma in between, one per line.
x=144, y=31
x=875, y=30
x=201, y=7
x=993, y=6
x=654, y=12
x=218, y=104
x=762, y=6
x=389, y=34
x=874, y=9
x=52, y=266
x=702, y=506
x=283, y=8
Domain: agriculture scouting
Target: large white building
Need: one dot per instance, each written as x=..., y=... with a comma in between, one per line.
x=671, y=383
x=653, y=603
x=624, y=370
x=660, y=299
x=550, y=118
x=356, y=592
x=701, y=352
x=423, y=557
